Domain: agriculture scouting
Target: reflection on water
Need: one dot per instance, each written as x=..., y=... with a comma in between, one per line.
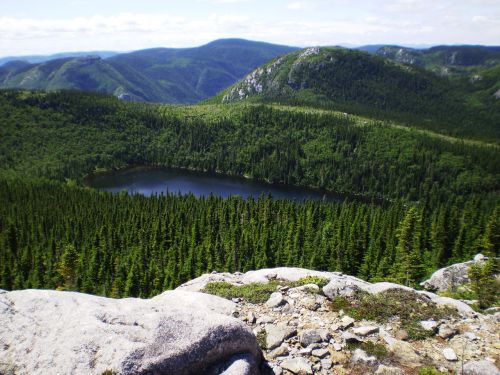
x=151, y=181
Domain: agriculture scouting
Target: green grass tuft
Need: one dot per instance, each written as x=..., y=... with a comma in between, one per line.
x=253, y=293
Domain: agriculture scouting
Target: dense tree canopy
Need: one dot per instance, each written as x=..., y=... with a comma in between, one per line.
x=439, y=195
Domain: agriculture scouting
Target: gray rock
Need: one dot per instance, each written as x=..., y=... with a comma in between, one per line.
x=298, y=365
x=446, y=331
x=276, y=334
x=449, y=354
x=360, y=356
x=429, y=325
x=337, y=346
x=305, y=351
x=53, y=332
x=351, y=338
x=276, y=299
x=450, y=277
x=342, y=285
x=365, y=330
x=479, y=257
x=310, y=336
x=402, y=334
x=277, y=370
x=251, y=317
x=279, y=351
x=326, y=363
x=401, y=349
x=387, y=370
x=480, y=368
x=236, y=365
x=470, y=336
x=492, y=310
x=265, y=319
x=346, y=322
x=320, y=353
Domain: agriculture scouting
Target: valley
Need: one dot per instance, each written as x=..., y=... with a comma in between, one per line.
x=266, y=160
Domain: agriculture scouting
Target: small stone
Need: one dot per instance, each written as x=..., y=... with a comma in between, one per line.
x=351, y=337
x=365, y=330
x=278, y=352
x=298, y=365
x=449, y=354
x=402, y=335
x=326, y=363
x=337, y=346
x=276, y=334
x=305, y=351
x=320, y=353
x=316, y=368
x=479, y=257
x=277, y=370
x=429, y=325
x=309, y=336
x=276, y=299
x=265, y=319
x=251, y=317
x=470, y=336
x=480, y=368
x=446, y=332
x=360, y=356
x=346, y=322
x=387, y=370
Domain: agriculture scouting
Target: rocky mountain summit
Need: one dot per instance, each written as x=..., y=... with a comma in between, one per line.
x=272, y=321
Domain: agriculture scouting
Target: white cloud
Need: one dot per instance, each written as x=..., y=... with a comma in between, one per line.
x=297, y=5
x=392, y=21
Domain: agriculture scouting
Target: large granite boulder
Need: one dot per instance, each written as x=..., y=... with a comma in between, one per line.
x=451, y=277
x=52, y=332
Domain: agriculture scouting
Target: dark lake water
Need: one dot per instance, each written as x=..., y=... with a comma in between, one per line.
x=156, y=181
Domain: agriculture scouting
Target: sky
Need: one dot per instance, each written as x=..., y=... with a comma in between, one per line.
x=31, y=27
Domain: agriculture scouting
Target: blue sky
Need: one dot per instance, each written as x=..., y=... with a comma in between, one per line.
x=50, y=26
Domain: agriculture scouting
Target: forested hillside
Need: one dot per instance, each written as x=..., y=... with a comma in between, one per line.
x=167, y=75
x=445, y=60
x=359, y=83
x=440, y=195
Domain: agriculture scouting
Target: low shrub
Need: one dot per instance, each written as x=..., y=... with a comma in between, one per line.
x=253, y=293
x=410, y=307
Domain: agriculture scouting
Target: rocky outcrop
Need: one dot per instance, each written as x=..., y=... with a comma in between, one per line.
x=298, y=328
x=451, y=277
x=301, y=334
x=52, y=332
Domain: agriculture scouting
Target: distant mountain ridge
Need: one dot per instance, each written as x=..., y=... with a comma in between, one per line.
x=366, y=84
x=443, y=60
x=35, y=59
x=167, y=75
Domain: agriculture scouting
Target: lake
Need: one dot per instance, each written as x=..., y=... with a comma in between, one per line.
x=154, y=181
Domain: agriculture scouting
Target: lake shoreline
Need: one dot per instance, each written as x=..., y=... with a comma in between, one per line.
x=92, y=180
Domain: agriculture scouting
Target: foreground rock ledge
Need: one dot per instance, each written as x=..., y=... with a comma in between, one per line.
x=177, y=332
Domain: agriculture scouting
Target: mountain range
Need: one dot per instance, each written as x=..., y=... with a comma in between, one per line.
x=168, y=75
x=189, y=75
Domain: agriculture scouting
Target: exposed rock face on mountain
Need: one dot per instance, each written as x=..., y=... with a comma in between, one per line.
x=451, y=277
x=50, y=332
